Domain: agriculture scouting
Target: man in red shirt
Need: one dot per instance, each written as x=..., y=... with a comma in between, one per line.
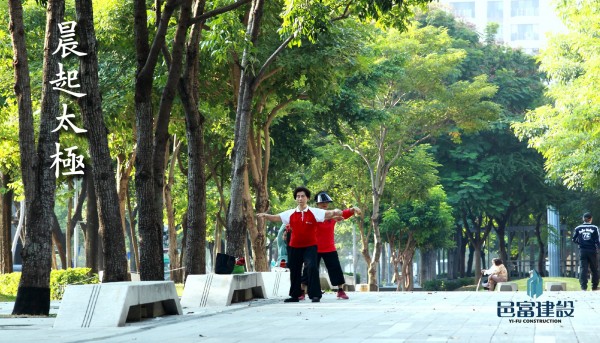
x=326, y=244
x=303, y=243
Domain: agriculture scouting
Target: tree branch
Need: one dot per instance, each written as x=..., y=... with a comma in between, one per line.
x=267, y=75
x=216, y=12
x=270, y=60
x=345, y=14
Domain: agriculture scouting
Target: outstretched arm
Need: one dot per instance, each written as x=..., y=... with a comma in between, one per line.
x=333, y=214
x=269, y=217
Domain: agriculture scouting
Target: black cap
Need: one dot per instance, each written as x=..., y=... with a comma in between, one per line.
x=587, y=216
x=322, y=197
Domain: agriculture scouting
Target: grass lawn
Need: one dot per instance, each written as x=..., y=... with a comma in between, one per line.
x=179, y=288
x=572, y=284
x=5, y=298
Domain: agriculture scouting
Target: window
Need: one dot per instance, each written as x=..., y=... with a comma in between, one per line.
x=464, y=9
x=500, y=34
x=495, y=11
x=520, y=8
x=525, y=32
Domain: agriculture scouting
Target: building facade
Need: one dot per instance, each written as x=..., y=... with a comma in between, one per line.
x=522, y=23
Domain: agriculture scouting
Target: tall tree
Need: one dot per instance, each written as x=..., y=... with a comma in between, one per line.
x=39, y=180
x=490, y=174
x=301, y=22
x=190, y=93
x=115, y=261
x=236, y=228
x=565, y=131
x=407, y=96
x=417, y=224
x=151, y=146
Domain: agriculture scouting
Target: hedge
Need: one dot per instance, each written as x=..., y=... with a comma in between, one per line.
x=59, y=279
x=447, y=285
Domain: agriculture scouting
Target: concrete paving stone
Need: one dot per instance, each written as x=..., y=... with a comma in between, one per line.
x=367, y=317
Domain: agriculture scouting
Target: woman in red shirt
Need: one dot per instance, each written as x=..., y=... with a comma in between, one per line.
x=303, y=221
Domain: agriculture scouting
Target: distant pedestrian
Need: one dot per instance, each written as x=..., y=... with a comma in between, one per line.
x=303, y=242
x=587, y=237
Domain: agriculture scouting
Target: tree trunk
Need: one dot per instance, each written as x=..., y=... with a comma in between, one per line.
x=134, y=236
x=469, y=270
x=148, y=158
x=428, y=265
x=259, y=169
x=115, y=258
x=455, y=259
x=59, y=241
x=75, y=216
x=175, y=274
x=39, y=179
x=462, y=253
x=123, y=176
x=256, y=235
x=541, y=263
x=500, y=232
x=364, y=239
x=477, y=259
x=91, y=227
x=194, y=259
x=69, y=228
x=236, y=231
x=373, y=282
x=6, y=200
x=410, y=285
x=161, y=135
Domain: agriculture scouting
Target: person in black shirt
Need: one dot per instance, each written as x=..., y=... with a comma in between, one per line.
x=587, y=237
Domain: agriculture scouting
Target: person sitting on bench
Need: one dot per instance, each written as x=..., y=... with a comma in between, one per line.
x=496, y=273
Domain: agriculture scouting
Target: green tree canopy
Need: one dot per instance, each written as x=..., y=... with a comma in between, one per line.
x=567, y=131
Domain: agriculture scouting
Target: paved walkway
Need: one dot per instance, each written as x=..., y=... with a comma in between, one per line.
x=365, y=317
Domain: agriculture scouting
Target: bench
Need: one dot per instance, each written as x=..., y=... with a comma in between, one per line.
x=277, y=284
x=555, y=286
x=506, y=287
x=349, y=285
x=115, y=303
x=221, y=289
x=325, y=283
x=362, y=287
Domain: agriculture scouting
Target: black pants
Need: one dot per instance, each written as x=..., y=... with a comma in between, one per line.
x=308, y=256
x=588, y=259
x=334, y=268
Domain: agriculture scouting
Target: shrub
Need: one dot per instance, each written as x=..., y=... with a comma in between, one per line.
x=59, y=279
x=447, y=285
x=9, y=283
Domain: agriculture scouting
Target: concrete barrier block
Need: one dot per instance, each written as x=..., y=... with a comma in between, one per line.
x=277, y=284
x=325, y=282
x=506, y=287
x=349, y=285
x=221, y=289
x=555, y=286
x=362, y=287
x=113, y=304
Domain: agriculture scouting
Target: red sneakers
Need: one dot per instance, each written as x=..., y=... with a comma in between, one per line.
x=341, y=294
x=302, y=295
